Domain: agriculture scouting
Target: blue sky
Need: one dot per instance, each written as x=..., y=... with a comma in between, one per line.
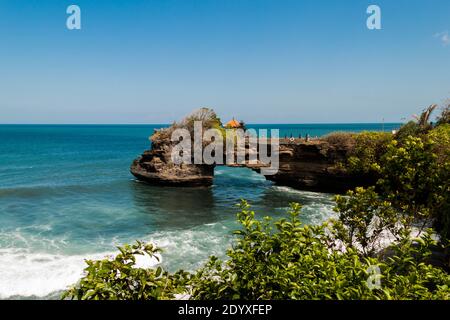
x=262, y=61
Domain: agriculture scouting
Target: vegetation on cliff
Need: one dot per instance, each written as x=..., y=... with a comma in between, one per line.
x=413, y=169
x=208, y=118
x=344, y=258
x=444, y=117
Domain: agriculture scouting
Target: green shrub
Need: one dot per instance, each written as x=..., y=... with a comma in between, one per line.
x=409, y=175
x=410, y=128
x=274, y=259
x=444, y=117
x=364, y=219
x=368, y=149
x=440, y=138
x=441, y=207
x=282, y=260
x=287, y=260
x=118, y=278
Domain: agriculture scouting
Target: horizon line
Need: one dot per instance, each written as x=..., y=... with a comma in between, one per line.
x=168, y=124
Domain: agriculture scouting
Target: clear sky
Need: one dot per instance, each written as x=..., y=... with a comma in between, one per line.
x=263, y=61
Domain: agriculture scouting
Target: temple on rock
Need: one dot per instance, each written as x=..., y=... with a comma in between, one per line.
x=234, y=124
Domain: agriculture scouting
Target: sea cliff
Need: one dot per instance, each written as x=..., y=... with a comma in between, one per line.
x=305, y=165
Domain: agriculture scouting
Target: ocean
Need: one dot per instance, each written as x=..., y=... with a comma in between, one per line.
x=66, y=194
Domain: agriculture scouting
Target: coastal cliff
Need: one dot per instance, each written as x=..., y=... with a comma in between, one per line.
x=312, y=165
x=155, y=166
x=316, y=166
x=304, y=164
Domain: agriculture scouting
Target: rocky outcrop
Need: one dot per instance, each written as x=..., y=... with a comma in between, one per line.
x=305, y=165
x=315, y=166
x=312, y=166
x=155, y=166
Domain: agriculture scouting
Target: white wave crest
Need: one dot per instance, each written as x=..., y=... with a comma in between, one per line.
x=27, y=274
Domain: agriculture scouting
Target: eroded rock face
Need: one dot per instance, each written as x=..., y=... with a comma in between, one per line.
x=156, y=167
x=311, y=166
x=314, y=166
x=306, y=165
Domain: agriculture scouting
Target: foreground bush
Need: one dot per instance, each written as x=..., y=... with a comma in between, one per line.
x=287, y=260
x=440, y=139
x=280, y=259
x=119, y=279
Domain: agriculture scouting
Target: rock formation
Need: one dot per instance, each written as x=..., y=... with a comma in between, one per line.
x=314, y=166
x=155, y=166
x=303, y=165
x=306, y=165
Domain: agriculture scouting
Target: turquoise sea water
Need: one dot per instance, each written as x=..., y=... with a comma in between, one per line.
x=66, y=194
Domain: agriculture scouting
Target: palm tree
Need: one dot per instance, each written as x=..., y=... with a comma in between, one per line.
x=424, y=120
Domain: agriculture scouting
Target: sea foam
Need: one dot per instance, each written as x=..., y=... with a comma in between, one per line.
x=27, y=274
